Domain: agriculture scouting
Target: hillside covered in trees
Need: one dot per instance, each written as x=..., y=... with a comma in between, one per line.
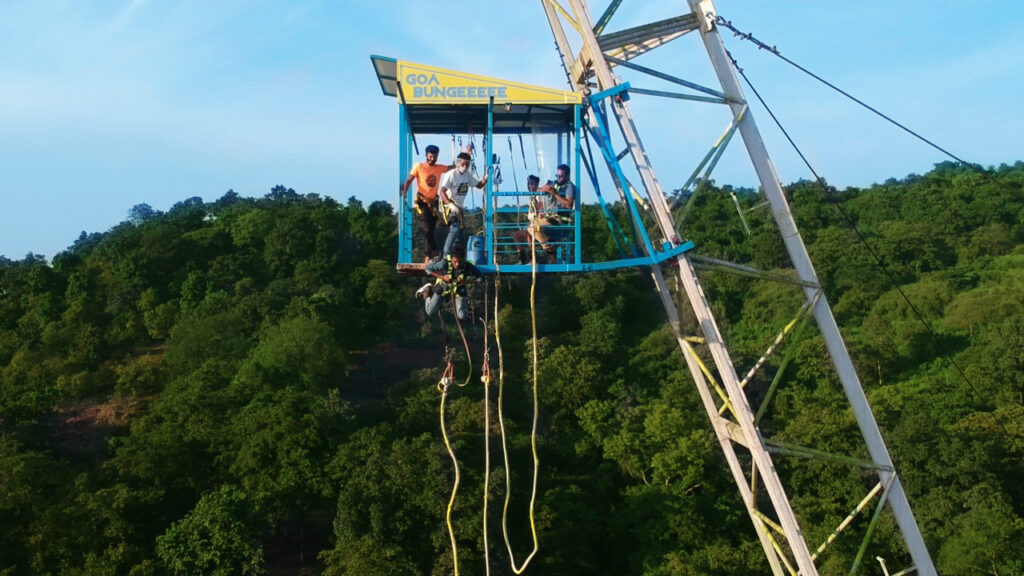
x=245, y=386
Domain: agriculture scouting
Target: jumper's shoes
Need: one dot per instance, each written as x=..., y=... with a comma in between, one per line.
x=424, y=291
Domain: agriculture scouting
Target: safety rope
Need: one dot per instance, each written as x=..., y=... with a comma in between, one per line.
x=526, y=171
x=485, y=378
x=465, y=343
x=773, y=50
x=444, y=337
x=447, y=379
x=538, y=150
x=472, y=147
x=442, y=386
x=441, y=204
x=515, y=179
x=501, y=416
x=522, y=153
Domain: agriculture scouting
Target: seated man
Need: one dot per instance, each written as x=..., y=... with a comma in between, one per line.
x=455, y=185
x=453, y=274
x=544, y=215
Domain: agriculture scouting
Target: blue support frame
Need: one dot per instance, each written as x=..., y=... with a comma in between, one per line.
x=658, y=258
x=576, y=201
x=622, y=89
x=613, y=161
x=622, y=242
x=405, y=218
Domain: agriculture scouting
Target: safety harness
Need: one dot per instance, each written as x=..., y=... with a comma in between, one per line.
x=459, y=278
x=550, y=208
x=422, y=205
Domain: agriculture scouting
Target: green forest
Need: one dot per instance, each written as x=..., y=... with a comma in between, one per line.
x=246, y=386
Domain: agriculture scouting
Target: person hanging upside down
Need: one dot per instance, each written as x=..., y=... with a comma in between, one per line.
x=452, y=275
x=428, y=176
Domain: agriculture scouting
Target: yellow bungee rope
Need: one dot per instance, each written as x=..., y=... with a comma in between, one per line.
x=465, y=343
x=501, y=420
x=446, y=381
x=485, y=377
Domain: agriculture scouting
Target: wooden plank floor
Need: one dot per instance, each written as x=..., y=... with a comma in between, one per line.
x=410, y=269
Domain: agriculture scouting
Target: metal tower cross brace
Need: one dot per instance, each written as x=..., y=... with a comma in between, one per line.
x=593, y=63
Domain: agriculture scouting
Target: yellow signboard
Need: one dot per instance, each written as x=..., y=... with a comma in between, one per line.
x=422, y=84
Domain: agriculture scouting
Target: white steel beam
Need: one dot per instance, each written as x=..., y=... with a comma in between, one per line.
x=659, y=32
x=723, y=434
x=561, y=42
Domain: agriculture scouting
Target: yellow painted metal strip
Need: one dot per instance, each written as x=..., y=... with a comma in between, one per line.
x=771, y=523
x=778, y=340
x=424, y=84
x=726, y=404
x=846, y=522
x=729, y=129
x=565, y=14
x=775, y=545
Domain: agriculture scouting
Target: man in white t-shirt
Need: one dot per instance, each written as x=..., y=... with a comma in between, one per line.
x=455, y=185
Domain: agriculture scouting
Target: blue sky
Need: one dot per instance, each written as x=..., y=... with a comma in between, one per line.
x=104, y=105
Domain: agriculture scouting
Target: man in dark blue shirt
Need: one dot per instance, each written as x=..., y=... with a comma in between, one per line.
x=549, y=224
x=562, y=190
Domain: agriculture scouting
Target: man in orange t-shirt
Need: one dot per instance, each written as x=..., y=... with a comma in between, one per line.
x=428, y=177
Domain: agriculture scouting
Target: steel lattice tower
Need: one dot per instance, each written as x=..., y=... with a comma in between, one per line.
x=722, y=391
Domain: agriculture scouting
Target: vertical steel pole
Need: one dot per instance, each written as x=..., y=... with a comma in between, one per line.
x=404, y=208
x=488, y=239
x=577, y=249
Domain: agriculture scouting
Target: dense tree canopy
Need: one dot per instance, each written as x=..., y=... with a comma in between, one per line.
x=245, y=386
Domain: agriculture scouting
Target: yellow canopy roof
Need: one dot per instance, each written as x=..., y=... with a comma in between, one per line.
x=423, y=84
